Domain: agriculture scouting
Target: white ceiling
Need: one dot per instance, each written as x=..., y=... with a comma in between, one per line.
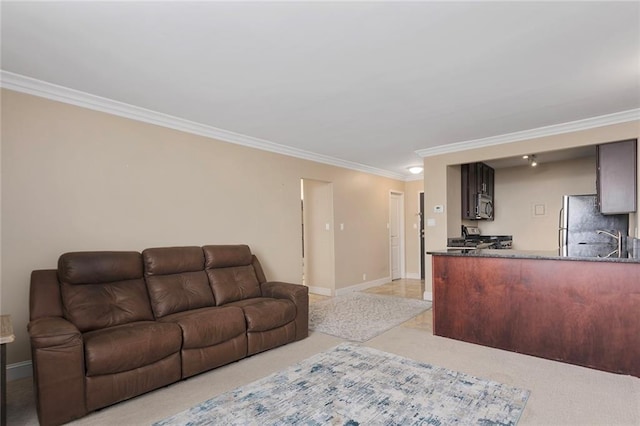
x=369, y=83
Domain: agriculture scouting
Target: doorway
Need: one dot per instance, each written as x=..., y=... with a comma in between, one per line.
x=318, y=260
x=396, y=235
x=422, y=252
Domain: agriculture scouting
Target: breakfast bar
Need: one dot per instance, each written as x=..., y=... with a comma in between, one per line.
x=583, y=311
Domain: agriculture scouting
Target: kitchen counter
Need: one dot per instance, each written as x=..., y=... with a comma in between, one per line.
x=527, y=254
x=583, y=311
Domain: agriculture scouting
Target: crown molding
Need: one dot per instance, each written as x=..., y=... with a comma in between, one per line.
x=20, y=83
x=32, y=86
x=556, y=129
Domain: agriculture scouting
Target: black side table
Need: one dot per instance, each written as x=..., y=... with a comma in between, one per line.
x=6, y=336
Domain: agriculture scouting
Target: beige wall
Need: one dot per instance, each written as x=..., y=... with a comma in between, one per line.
x=319, y=258
x=454, y=201
x=437, y=171
x=77, y=179
x=412, y=190
x=519, y=189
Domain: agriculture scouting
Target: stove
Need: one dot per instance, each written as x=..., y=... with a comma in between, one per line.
x=499, y=242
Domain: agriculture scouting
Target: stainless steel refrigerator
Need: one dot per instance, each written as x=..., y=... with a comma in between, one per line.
x=585, y=232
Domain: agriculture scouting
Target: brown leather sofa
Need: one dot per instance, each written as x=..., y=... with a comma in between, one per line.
x=107, y=326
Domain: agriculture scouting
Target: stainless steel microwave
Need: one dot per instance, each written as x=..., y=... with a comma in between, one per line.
x=484, y=208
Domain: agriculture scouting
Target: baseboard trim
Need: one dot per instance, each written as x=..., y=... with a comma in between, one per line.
x=322, y=291
x=19, y=370
x=362, y=286
x=413, y=275
x=428, y=296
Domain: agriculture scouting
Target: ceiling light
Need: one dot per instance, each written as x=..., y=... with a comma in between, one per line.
x=532, y=161
x=415, y=170
x=524, y=157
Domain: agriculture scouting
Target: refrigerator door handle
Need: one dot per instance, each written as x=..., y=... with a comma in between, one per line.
x=560, y=217
x=560, y=229
x=559, y=238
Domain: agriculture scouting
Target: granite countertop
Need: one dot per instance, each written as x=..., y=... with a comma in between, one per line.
x=526, y=254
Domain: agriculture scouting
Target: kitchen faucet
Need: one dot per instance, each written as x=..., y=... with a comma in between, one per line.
x=618, y=239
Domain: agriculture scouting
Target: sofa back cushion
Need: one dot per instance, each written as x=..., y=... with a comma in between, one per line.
x=176, y=279
x=230, y=272
x=103, y=288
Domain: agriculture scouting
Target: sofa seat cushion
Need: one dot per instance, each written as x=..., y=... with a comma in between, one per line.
x=125, y=347
x=208, y=326
x=264, y=313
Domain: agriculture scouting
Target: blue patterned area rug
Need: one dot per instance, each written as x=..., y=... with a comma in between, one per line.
x=355, y=385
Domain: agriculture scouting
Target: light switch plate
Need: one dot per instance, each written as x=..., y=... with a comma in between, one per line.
x=431, y=222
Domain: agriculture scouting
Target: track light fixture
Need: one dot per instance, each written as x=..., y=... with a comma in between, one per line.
x=533, y=162
x=531, y=158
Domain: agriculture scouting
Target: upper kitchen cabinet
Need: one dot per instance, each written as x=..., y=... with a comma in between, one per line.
x=616, y=177
x=477, y=191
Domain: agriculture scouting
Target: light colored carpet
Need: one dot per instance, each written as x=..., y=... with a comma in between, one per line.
x=561, y=394
x=361, y=316
x=352, y=385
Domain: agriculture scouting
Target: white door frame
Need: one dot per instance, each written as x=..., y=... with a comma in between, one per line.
x=400, y=196
x=421, y=247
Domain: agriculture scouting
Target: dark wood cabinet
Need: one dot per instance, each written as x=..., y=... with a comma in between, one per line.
x=477, y=179
x=617, y=177
x=469, y=191
x=487, y=181
x=581, y=312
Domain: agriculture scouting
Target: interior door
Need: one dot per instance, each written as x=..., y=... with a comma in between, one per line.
x=422, y=251
x=395, y=234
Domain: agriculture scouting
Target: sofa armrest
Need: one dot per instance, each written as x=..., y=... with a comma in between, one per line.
x=57, y=353
x=299, y=295
x=53, y=331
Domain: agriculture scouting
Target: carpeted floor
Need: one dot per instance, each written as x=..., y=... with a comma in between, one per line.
x=352, y=385
x=360, y=317
x=561, y=394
